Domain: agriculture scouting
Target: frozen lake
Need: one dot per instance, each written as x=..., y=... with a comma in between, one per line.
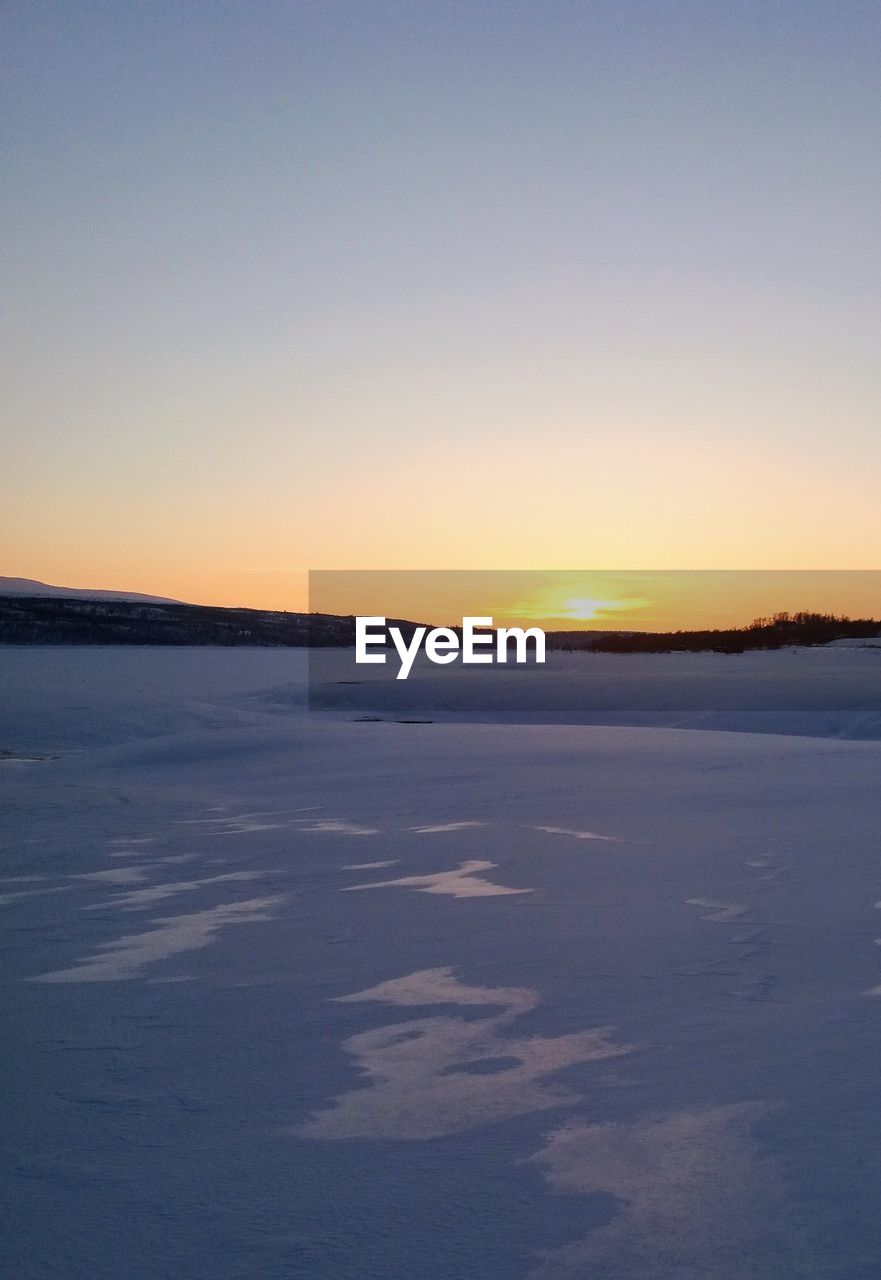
x=292, y=994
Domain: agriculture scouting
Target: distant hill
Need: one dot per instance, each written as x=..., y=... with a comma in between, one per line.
x=57, y=619
x=53, y=617
x=30, y=587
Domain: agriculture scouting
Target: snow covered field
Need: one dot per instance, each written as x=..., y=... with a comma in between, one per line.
x=826, y=691
x=290, y=994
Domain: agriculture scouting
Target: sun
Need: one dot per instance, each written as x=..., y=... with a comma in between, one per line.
x=583, y=609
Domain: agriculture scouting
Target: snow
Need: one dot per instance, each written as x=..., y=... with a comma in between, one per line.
x=852, y=642
x=827, y=690
x=614, y=1012
x=31, y=587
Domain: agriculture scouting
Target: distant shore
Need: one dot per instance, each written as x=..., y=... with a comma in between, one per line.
x=52, y=620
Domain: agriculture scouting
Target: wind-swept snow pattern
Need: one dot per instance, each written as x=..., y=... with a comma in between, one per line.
x=369, y=866
x=116, y=875
x=462, y=882
x=719, y=912
x=141, y=899
x=445, y=826
x=440, y=1075
x=18, y=894
x=129, y=956
x=576, y=835
x=616, y=1027
x=340, y=827
x=696, y=1197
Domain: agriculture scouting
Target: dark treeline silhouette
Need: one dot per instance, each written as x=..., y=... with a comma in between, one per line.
x=775, y=632
x=72, y=620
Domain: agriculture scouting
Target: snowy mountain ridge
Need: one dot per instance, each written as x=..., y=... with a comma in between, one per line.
x=31, y=587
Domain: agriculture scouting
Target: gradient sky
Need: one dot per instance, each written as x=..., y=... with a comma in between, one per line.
x=564, y=600
x=381, y=285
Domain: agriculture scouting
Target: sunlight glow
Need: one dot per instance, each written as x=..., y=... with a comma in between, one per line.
x=585, y=610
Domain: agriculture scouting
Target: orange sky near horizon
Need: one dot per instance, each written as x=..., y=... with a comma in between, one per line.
x=566, y=600
x=241, y=538
x=557, y=599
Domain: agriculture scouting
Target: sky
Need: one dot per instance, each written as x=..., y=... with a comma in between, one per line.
x=599, y=600
x=370, y=285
